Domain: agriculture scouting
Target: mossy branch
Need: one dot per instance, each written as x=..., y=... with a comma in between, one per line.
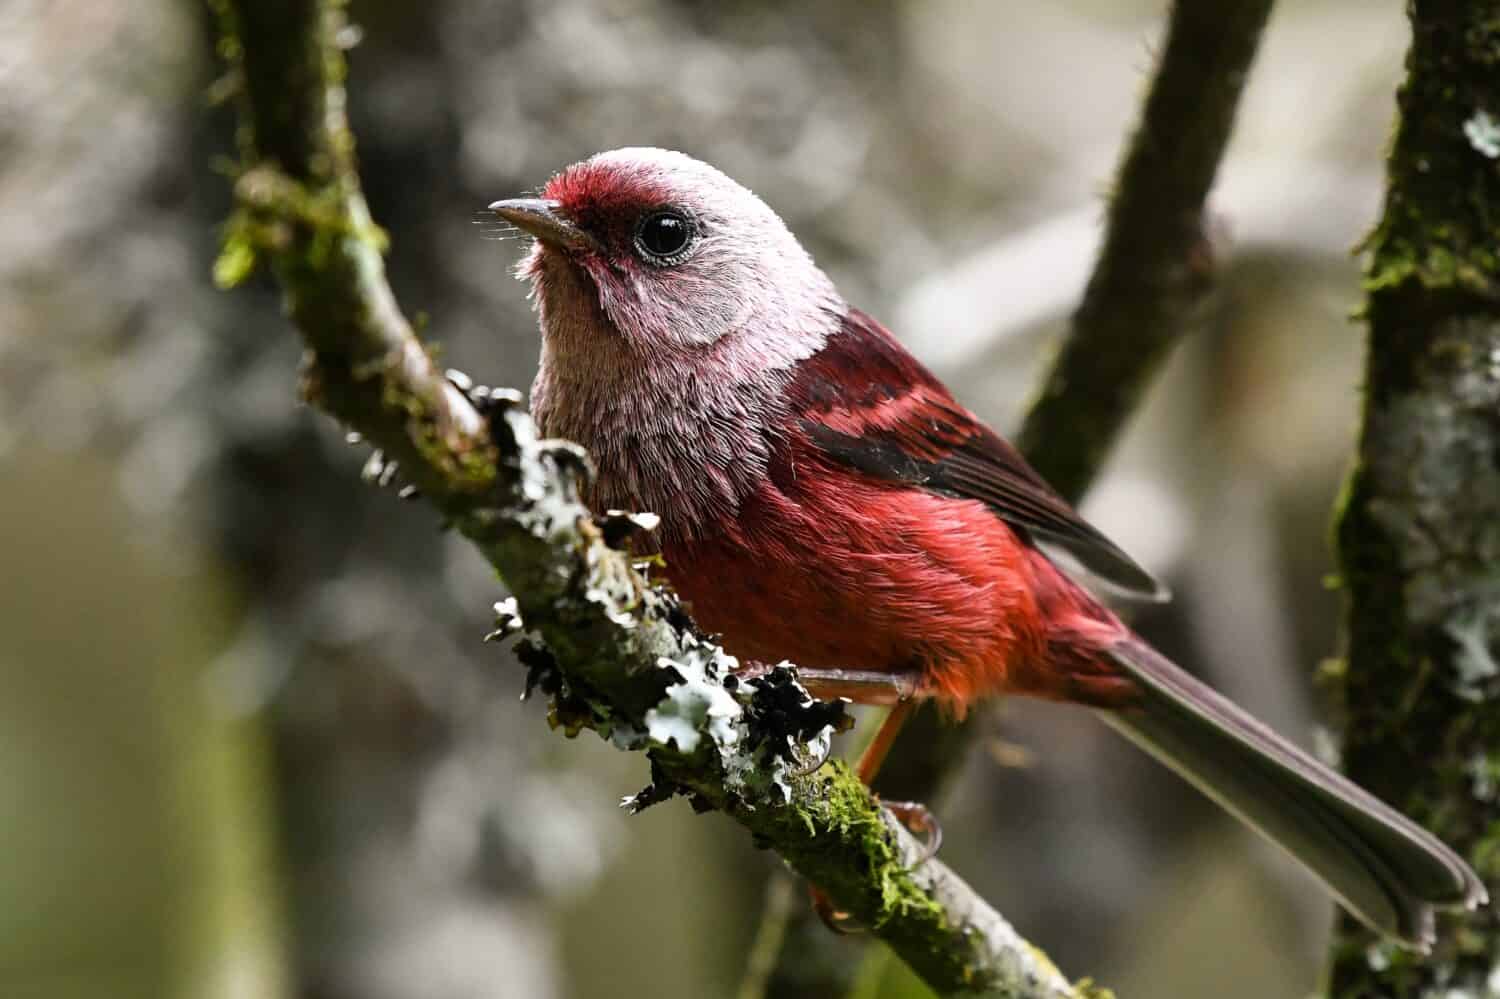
x=1419, y=529
x=617, y=654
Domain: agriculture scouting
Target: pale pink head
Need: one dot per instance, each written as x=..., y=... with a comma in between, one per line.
x=666, y=253
x=674, y=307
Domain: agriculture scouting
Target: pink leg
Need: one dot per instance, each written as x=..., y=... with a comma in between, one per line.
x=912, y=814
x=862, y=686
x=875, y=753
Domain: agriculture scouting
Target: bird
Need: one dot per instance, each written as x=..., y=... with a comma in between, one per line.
x=825, y=499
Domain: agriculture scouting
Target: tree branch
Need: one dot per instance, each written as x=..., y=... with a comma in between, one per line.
x=618, y=654
x=1157, y=262
x=1417, y=531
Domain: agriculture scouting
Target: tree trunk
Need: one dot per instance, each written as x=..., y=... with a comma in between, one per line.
x=1419, y=532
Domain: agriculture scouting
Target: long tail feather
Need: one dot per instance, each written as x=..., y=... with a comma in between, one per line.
x=1384, y=868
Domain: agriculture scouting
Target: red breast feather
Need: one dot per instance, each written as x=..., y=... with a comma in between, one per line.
x=830, y=567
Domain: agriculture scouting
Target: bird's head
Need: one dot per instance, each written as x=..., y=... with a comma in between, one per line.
x=665, y=255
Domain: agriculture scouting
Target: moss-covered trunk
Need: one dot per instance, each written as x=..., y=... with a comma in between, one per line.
x=1419, y=533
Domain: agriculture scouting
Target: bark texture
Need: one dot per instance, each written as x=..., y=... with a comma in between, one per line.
x=1419, y=530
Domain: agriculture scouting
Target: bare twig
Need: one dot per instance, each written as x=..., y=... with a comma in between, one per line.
x=1157, y=262
x=1290, y=207
x=618, y=653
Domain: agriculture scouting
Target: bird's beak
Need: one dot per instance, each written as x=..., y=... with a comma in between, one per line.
x=542, y=219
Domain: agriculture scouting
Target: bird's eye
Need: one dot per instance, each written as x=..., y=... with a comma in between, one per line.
x=665, y=236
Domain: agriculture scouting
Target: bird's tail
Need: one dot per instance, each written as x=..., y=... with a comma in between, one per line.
x=1386, y=870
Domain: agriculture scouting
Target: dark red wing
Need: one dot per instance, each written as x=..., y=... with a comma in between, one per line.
x=865, y=401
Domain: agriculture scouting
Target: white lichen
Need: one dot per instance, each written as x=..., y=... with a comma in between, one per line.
x=623, y=735
x=1483, y=133
x=1378, y=956
x=1484, y=775
x=696, y=706
x=1474, y=664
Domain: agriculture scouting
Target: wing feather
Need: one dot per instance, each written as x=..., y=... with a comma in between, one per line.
x=866, y=402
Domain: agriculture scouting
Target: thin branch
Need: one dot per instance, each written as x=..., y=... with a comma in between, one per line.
x=1286, y=206
x=619, y=655
x=1416, y=534
x=1155, y=268
x=1157, y=263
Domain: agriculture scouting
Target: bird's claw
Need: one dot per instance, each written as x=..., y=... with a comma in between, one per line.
x=918, y=818
x=816, y=759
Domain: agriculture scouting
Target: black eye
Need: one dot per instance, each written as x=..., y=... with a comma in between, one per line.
x=664, y=236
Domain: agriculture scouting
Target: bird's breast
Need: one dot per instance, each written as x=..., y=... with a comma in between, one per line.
x=661, y=444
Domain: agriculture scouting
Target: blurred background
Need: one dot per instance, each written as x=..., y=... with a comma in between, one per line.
x=251, y=744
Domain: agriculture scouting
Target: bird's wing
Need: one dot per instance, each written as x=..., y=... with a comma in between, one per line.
x=865, y=401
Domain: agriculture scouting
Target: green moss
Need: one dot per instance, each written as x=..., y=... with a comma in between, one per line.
x=326, y=252
x=238, y=256
x=465, y=470
x=843, y=805
x=1441, y=224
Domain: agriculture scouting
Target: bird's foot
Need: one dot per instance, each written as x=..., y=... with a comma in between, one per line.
x=812, y=761
x=918, y=818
